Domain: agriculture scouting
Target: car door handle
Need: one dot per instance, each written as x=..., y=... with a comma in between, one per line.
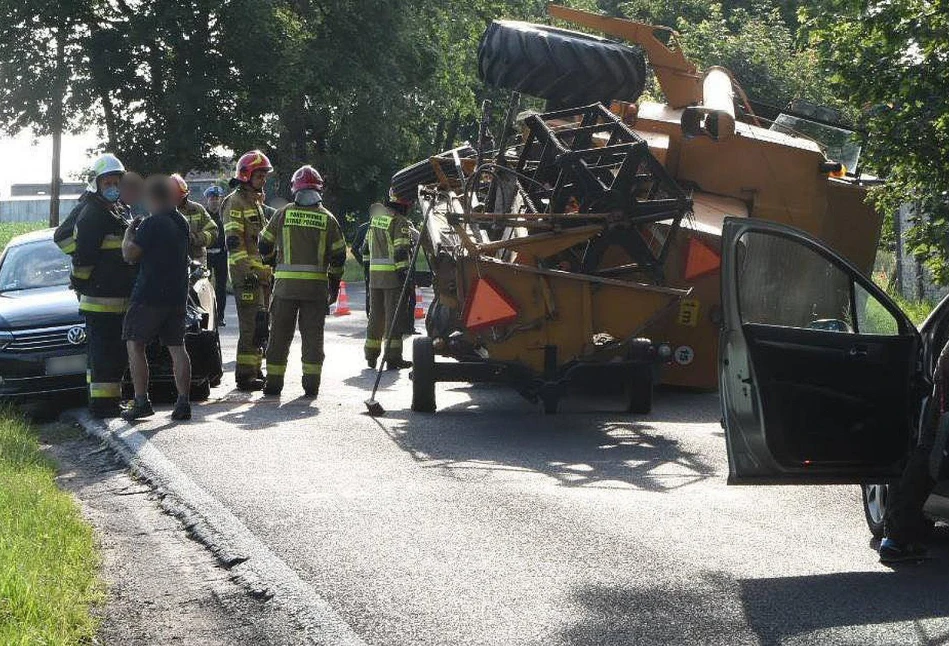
x=858, y=352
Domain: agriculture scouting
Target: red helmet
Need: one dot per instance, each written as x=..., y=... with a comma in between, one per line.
x=306, y=178
x=179, y=183
x=250, y=162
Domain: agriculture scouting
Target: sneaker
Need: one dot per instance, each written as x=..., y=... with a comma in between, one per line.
x=182, y=411
x=398, y=364
x=137, y=411
x=893, y=552
x=250, y=385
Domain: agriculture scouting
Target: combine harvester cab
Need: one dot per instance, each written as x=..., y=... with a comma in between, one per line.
x=589, y=245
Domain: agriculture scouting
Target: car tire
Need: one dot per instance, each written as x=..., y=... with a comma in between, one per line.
x=874, y=507
x=568, y=68
x=423, y=375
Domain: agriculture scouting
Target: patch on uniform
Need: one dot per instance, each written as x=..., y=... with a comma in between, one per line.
x=380, y=222
x=689, y=312
x=684, y=355
x=308, y=219
x=248, y=296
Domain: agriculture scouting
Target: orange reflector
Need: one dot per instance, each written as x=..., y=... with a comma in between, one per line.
x=487, y=306
x=701, y=260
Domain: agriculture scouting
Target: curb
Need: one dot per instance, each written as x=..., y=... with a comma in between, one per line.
x=250, y=563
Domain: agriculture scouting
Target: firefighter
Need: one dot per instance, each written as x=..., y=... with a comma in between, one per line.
x=359, y=240
x=203, y=231
x=310, y=253
x=243, y=218
x=388, y=242
x=217, y=253
x=104, y=282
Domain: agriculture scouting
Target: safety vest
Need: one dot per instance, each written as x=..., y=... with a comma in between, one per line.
x=309, y=248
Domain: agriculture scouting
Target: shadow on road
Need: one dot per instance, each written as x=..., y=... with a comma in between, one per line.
x=716, y=608
x=577, y=450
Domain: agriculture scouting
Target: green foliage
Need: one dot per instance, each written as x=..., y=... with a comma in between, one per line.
x=889, y=58
x=48, y=558
x=9, y=230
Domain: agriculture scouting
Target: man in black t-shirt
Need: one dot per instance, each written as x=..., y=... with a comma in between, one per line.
x=159, y=244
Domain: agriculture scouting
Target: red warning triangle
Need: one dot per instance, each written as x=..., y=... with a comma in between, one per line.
x=700, y=260
x=488, y=305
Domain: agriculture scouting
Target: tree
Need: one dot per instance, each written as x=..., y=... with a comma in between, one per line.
x=890, y=58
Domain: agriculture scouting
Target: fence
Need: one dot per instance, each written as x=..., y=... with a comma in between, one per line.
x=33, y=209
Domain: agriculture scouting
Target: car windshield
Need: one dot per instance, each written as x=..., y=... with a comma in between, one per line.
x=33, y=265
x=839, y=144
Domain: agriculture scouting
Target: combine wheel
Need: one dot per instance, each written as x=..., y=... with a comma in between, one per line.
x=423, y=375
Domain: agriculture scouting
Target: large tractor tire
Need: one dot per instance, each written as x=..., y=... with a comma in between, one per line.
x=568, y=68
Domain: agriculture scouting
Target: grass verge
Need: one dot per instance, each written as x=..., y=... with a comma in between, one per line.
x=10, y=230
x=48, y=556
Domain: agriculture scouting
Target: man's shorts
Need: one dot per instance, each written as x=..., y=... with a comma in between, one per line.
x=145, y=322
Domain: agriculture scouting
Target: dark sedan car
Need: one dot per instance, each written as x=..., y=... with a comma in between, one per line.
x=43, y=336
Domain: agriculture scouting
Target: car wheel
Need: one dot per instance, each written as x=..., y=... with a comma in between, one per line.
x=423, y=375
x=566, y=67
x=874, y=507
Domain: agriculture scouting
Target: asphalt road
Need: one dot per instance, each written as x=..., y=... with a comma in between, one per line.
x=488, y=523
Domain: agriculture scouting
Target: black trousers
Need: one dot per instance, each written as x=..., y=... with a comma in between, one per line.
x=904, y=520
x=107, y=361
x=218, y=264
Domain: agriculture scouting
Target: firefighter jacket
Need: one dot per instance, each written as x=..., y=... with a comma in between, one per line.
x=202, y=228
x=310, y=251
x=64, y=235
x=101, y=277
x=243, y=219
x=388, y=244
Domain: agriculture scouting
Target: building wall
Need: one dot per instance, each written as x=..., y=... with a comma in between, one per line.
x=34, y=209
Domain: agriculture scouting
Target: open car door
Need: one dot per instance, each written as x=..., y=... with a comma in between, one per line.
x=819, y=369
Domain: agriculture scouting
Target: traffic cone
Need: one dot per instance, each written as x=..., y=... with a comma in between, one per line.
x=419, y=304
x=342, y=301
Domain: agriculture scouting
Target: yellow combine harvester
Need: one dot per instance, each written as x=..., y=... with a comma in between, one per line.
x=584, y=249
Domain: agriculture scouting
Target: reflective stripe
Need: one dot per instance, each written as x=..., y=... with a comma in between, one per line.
x=284, y=267
x=373, y=344
x=312, y=368
x=276, y=369
x=301, y=275
x=105, y=389
x=103, y=304
x=248, y=359
x=68, y=245
x=402, y=242
x=395, y=343
x=83, y=272
x=268, y=235
x=339, y=245
x=382, y=264
x=237, y=256
x=233, y=226
x=88, y=376
x=111, y=242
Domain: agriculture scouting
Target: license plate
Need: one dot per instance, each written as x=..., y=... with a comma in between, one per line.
x=73, y=364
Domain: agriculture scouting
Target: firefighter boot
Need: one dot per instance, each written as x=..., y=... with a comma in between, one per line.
x=274, y=385
x=311, y=386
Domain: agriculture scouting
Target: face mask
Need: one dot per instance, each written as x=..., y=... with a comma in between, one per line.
x=308, y=198
x=111, y=194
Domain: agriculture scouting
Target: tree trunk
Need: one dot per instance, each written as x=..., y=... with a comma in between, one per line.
x=57, y=125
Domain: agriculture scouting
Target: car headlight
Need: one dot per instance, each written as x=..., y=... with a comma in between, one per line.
x=5, y=339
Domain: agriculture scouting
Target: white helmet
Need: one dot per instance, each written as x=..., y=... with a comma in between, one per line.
x=107, y=164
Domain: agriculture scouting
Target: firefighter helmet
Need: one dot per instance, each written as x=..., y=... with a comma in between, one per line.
x=107, y=164
x=306, y=178
x=250, y=162
x=396, y=200
x=181, y=187
x=214, y=191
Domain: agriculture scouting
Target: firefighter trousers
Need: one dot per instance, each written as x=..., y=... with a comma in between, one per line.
x=107, y=361
x=284, y=313
x=383, y=304
x=249, y=354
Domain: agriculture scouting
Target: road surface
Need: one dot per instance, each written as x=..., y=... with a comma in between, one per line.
x=488, y=523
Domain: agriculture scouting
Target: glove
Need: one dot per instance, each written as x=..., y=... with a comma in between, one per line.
x=333, y=290
x=251, y=281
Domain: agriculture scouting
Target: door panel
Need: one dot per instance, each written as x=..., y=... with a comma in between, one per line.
x=818, y=366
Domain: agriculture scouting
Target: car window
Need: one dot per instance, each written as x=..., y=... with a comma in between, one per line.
x=782, y=282
x=33, y=265
x=873, y=317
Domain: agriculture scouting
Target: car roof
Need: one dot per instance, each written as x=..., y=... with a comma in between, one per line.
x=32, y=236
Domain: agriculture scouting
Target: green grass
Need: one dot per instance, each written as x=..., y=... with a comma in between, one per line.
x=48, y=556
x=916, y=310
x=10, y=230
x=352, y=273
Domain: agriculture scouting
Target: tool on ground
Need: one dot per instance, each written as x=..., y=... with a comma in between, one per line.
x=375, y=408
x=342, y=304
